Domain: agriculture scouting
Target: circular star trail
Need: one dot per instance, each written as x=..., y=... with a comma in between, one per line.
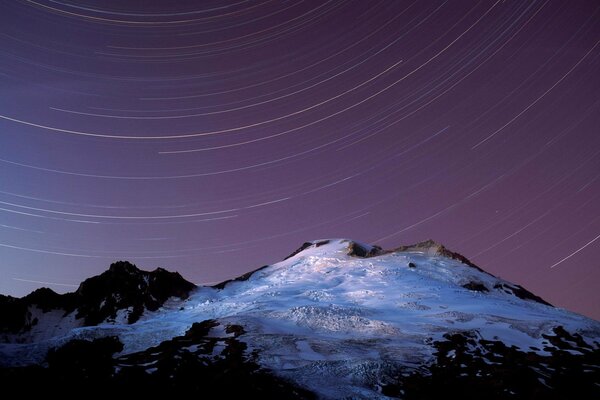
x=213, y=137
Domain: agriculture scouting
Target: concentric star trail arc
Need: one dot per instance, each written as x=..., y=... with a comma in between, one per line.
x=215, y=137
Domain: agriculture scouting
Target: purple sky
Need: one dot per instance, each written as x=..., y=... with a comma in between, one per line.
x=212, y=138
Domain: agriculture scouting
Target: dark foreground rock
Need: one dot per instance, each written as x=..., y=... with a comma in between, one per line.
x=204, y=363
x=468, y=367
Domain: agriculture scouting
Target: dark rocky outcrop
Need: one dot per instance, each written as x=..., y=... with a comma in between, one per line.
x=200, y=364
x=85, y=360
x=357, y=250
x=468, y=367
x=124, y=286
x=520, y=292
x=98, y=298
x=14, y=314
x=476, y=286
x=304, y=246
x=240, y=278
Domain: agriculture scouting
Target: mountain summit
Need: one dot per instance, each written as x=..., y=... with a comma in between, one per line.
x=335, y=319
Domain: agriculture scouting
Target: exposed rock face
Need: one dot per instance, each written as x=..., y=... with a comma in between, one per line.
x=476, y=286
x=98, y=299
x=431, y=247
x=305, y=246
x=17, y=314
x=520, y=292
x=125, y=286
x=360, y=250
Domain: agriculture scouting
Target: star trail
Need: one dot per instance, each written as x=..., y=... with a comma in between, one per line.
x=214, y=137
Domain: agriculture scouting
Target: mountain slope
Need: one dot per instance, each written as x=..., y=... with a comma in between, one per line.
x=344, y=319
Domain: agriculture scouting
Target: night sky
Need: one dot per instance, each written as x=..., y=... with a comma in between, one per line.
x=214, y=137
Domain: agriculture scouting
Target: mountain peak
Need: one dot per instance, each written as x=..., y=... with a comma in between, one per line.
x=364, y=250
x=120, y=267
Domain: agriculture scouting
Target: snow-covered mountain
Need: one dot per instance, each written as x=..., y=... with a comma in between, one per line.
x=336, y=319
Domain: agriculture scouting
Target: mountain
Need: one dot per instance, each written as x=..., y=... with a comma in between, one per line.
x=121, y=294
x=335, y=319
